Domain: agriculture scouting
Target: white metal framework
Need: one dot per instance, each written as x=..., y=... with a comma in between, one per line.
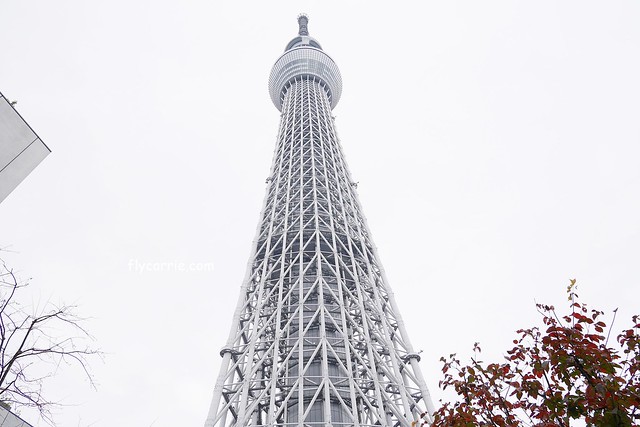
x=317, y=339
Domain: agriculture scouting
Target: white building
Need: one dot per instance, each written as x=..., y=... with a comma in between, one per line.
x=9, y=419
x=21, y=150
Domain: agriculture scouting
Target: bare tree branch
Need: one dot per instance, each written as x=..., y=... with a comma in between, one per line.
x=30, y=341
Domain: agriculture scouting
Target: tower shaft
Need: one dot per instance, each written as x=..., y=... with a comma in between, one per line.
x=316, y=339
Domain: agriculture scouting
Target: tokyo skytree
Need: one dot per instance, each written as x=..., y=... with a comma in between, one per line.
x=316, y=339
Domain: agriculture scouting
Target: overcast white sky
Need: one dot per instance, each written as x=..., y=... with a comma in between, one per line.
x=496, y=145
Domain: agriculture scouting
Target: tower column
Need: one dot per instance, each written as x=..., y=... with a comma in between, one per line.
x=317, y=339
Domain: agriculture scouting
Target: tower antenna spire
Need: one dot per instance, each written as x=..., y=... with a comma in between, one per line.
x=303, y=20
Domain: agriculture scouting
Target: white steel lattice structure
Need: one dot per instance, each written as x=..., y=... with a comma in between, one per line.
x=317, y=339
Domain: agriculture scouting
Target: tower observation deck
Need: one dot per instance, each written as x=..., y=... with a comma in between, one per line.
x=316, y=339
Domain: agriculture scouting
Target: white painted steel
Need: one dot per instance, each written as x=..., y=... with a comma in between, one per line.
x=317, y=339
x=304, y=61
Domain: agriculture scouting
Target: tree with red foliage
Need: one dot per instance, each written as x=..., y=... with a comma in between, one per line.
x=551, y=377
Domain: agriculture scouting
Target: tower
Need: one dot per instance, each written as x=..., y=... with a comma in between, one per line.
x=317, y=339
